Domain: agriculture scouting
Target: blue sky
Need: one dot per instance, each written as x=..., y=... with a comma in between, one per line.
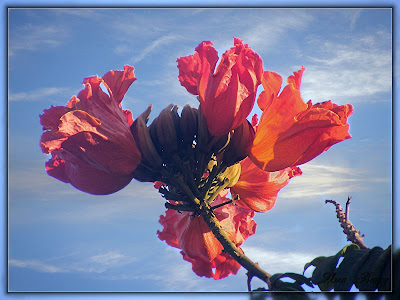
x=61, y=239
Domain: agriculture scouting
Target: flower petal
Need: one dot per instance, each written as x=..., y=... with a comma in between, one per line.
x=119, y=82
x=198, y=244
x=193, y=67
x=258, y=189
x=227, y=97
x=271, y=83
x=291, y=132
x=90, y=139
x=55, y=167
x=91, y=180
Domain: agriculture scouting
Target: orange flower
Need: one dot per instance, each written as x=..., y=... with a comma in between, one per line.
x=227, y=95
x=258, y=189
x=199, y=245
x=291, y=132
x=89, y=139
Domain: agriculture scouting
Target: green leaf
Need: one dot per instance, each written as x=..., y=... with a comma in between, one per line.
x=366, y=279
x=314, y=263
x=324, y=271
x=299, y=279
x=347, y=249
x=381, y=264
x=326, y=286
x=348, y=270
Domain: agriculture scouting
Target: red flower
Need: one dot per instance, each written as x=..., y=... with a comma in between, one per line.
x=89, y=139
x=291, y=132
x=198, y=244
x=227, y=95
x=258, y=189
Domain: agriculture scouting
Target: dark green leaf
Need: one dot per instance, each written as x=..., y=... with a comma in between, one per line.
x=275, y=277
x=326, y=286
x=324, y=271
x=386, y=276
x=348, y=270
x=314, y=263
x=366, y=279
x=347, y=249
x=299, y=279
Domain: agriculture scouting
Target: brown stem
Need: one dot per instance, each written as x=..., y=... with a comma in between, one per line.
x=353, y=235
x=206, y=211
x=229, y=246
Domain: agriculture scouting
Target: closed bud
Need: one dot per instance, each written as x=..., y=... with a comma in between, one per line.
x=166, y=130
x=140, y=132
x=188, y=124
x=143, y=174
x=240, y=144
x=203, y=134
x=221, y=143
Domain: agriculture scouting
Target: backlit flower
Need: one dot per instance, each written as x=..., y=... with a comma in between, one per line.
x=199, y=245
x=227, y=95
x=258, y=189
x=89, y=139
x=292, y=132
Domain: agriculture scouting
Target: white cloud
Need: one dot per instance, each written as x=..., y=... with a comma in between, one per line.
x=279, y=261
x=40, y=93
x=359, y=68
x=35, y=265
x=35, y=37
x=327, y=180
x=137, y=200
x=155, y=45
x=108, y=259
x=94, y=264
x=355, y=15
x=273, y=26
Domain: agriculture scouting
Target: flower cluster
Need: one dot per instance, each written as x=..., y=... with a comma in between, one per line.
x=196, y=157
x=199, y=246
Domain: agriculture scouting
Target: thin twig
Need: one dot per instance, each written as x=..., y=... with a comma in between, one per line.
x=348, y=208
x=353, y=235
x=249, y=278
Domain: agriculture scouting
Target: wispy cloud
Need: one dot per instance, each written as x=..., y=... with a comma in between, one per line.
x=34, y=37
x=81, y=13
x=327, y=180
x=35, y=265
x=93, y=264
x=41, y=93
x=137, y=200
x=355, y=15
x=155, y=45
x=273, y=26
x=359, y=67
x=279, y=261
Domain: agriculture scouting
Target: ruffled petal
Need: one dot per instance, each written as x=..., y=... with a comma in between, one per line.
x=291, y=132
x=92, y=180
x=199, y=65
x=198, y=244
x=271, y=83
x=258, y=189
x=119, y=82
x=228, y=96
x=51, y=118
x=91, y=138
x=55, y=167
